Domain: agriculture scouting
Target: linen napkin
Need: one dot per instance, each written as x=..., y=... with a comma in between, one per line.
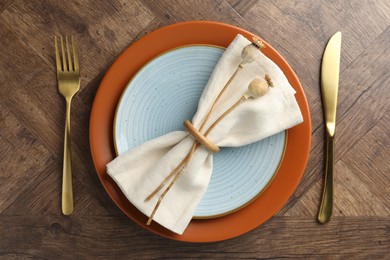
x=140, y=171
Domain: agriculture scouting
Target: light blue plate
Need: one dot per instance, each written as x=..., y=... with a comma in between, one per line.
x=165, y=93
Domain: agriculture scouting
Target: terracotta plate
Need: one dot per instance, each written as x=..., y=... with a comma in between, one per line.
x=101, y=132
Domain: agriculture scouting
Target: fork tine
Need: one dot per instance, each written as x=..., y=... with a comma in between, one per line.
x=58, y=58
x=69, y=56
x=65, y=67
x=75, y=59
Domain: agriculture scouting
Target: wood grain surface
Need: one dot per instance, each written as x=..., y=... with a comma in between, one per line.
x=32, y=115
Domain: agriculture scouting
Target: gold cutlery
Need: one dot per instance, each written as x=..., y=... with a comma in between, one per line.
x=329, y=87
x=68, y=76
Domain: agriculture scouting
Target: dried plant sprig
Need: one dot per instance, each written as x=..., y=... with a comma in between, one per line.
x=248, y=55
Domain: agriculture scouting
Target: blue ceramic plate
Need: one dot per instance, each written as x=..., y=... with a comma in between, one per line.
x=163, y=94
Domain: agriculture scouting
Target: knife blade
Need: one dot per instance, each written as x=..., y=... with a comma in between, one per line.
x=330, y=71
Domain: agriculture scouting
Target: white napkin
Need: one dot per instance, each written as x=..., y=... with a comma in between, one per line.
x=138, y=172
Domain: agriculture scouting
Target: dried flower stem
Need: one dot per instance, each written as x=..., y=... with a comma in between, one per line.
x=167, y=178
x=178, y=174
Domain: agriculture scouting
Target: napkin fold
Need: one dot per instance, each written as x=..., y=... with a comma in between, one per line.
x=140, y=171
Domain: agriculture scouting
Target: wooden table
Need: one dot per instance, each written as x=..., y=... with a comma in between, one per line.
x=32, y=118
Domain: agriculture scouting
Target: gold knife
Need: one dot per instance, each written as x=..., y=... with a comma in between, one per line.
x=330, y=71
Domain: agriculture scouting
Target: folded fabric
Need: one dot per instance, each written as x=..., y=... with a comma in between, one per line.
x=140, y=171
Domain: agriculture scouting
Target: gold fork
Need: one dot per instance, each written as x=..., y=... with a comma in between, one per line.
x=68, y=76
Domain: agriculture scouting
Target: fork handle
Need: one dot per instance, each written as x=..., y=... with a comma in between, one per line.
x=326, y=207
x=67, y=187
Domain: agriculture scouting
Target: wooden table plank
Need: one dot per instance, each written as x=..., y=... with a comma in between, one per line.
x=32, y=121
x=50, y=236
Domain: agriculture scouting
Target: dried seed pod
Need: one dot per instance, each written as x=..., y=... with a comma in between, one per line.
x=257, y=88
x=249, y=52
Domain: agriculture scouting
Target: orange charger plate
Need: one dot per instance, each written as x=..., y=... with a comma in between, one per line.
x=102, y=118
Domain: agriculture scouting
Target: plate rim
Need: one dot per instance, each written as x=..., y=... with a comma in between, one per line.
x=198, y=231
x=211, y=216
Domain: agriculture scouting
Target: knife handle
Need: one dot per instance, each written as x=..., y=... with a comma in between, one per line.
x=326, y=207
